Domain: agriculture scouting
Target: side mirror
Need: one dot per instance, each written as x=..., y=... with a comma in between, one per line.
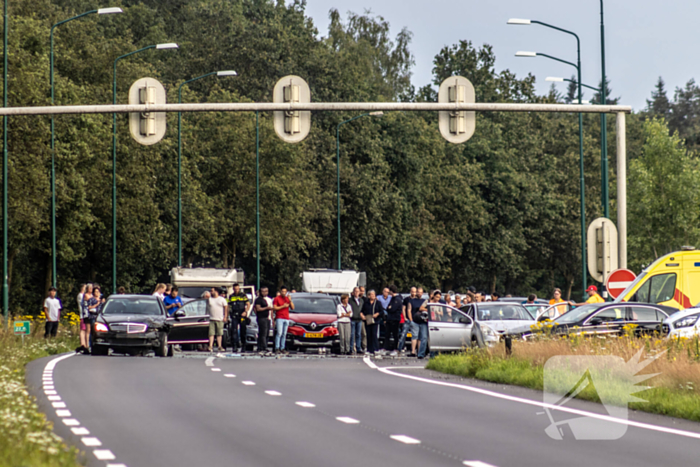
x=179, y=314
x=465, y=320
x=596, y=321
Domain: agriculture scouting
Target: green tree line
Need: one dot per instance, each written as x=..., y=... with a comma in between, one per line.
x=499, y=212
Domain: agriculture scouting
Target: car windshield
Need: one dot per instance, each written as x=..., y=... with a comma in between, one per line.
x=192, y=292
x=577, y=314
x=132, y=306
x=323, y=305
x=502, y=311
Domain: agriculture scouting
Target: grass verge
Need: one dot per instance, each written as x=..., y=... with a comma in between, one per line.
x=26, y=437
x=673, y=392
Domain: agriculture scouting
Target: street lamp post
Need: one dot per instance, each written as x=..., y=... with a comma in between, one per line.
x=100, y=11
x=337, y=164
x=561, y=80
x=603, y=122
x=577, y=65
x=114, y=157
x=5, y=286
x=179, y=157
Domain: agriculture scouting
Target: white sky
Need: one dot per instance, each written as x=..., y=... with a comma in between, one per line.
x=645, y=39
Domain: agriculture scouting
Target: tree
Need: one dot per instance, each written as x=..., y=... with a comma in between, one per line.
x=609, y=99
x=664, y=195
x=659, y=105
x=572, y=90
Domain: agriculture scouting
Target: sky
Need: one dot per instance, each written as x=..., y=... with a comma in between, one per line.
x=644, y=39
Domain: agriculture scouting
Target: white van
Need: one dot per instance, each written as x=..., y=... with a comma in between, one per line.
x=193, y=282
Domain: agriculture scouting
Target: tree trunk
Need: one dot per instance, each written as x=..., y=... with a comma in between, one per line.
x=568, y=290
x=493, y=284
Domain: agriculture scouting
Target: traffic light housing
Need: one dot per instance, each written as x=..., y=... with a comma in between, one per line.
x=147, y=127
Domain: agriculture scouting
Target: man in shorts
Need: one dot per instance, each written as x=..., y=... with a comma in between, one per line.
x=217, y=309
x=52, y=311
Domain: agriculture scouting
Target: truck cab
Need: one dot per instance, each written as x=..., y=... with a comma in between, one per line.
x=193, y=282
x=332, y=281
x=673, y=280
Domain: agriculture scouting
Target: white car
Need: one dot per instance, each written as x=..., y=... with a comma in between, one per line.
x=495, y=319
x=685, y=323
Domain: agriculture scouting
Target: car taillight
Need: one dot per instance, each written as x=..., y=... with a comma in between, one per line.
x=99, y=327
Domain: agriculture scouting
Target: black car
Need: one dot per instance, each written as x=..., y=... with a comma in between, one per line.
x=132, y=324
x=610, y=318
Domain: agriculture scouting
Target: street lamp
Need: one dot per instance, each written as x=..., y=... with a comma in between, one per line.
x=577, y=65
x=179, y=157
x=100, y=11
x=527, y=22
x=337, y=163
x=556, y=79
x=165, y=46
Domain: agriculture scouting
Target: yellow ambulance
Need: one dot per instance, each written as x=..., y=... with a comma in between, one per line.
x=673, y=280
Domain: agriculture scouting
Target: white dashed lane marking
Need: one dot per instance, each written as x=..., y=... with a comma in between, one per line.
x=229, y=375
x=80, y=431
x=54, y=398
x=273, y=393
x=58, y=405
x=248, y=383
x=71, y=422
x=477, y=464
x=405, y=439
x=216, y=369
x=92, y=441
x=103, y=454
x=63, y=413
x=50, y=392
x=348, y=420
x=305, y=404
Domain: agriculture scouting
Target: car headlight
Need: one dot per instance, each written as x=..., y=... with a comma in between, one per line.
x=335, y=323
x=686, y=322
x=99, y=327
x=488, y=331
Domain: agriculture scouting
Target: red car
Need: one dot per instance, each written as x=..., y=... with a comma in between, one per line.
x=314, y=322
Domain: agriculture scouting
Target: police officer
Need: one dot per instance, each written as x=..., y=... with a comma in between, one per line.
x=239, y=311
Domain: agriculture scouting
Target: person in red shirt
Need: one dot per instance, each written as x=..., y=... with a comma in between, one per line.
x=281, y=306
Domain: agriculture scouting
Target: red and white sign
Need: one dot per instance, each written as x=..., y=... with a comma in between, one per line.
x=618, y=281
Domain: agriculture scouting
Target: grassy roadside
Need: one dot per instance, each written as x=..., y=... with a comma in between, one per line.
x=26, y=437
x=674, y=392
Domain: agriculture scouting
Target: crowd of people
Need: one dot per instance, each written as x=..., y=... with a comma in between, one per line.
x=360, y=314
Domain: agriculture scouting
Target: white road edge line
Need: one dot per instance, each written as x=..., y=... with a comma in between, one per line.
x=405, y=439
x=80, y=431
x=485, y=392
x=370, y=363
x=477, y=464
x=71, y=422
x=348, y=420
x=63, y=413
x=209, y=361
x=305, y=404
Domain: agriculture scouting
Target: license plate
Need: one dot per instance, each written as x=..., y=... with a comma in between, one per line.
x=314, y=335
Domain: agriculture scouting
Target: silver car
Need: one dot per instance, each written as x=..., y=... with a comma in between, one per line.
x=498, y=318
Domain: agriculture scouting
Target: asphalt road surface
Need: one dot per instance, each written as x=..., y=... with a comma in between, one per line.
x=134, y=412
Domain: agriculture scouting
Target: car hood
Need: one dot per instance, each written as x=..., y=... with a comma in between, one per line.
x=315, y=317
x=151, y=320
x=508, y=325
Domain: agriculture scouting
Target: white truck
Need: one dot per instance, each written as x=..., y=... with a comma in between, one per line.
x=332, y=281
x=193, y=282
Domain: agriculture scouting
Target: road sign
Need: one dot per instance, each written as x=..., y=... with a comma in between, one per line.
x=292, y=126
x=456, y=126
x=602, y=248
x=618, y=281
x=147, y=127
x=22, y=328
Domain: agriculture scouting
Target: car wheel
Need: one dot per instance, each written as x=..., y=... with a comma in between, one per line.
x=162, y=349
x=99, y=350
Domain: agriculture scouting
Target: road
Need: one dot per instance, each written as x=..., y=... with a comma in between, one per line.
x=319, y=412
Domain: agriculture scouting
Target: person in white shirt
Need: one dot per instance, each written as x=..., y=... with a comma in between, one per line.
x=159, y=291
x=52, y=310
x=344, y=329
x=217, y=309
